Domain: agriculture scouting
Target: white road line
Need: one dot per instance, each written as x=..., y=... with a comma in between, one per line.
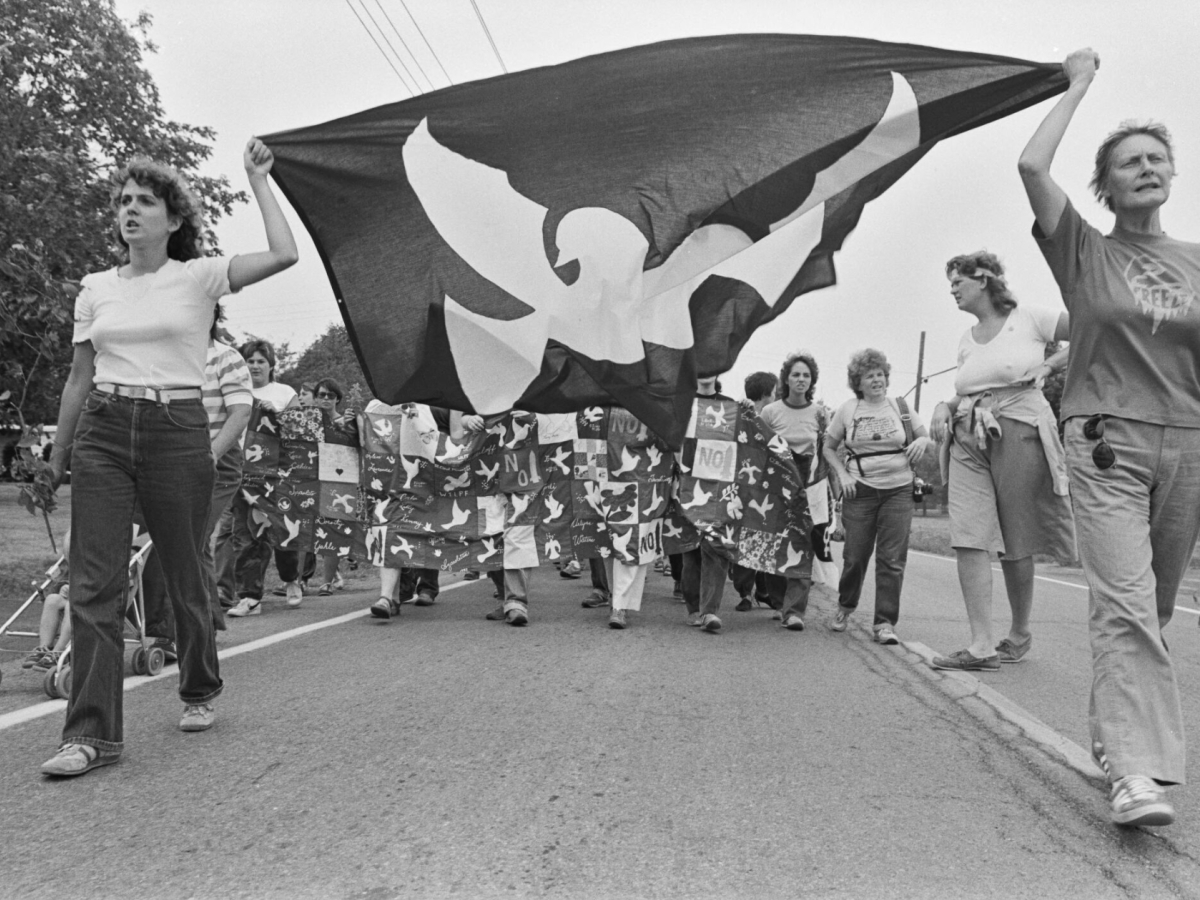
x=1082, y=587
x=38, y=710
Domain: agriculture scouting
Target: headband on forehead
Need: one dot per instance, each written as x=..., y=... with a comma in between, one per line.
x=980, y=272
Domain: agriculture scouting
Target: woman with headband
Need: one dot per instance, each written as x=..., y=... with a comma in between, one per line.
x=1002, y=457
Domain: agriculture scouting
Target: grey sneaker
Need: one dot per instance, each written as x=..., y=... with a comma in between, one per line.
x=425, y=599
x=516, y=613
x=570, y=570
x=695, y=619
x=841, y=619
x=1138, y=800
x=294, y=593
x=884, y=634
x=617, y=619
x=964, y=661
x=1010, y=652
x=595, y=599
x=711, y=624
x=197, y=717
x=793, y=623
x=385, y=608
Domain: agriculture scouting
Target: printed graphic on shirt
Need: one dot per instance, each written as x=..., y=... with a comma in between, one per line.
x=874, y=428
x=1159, y=290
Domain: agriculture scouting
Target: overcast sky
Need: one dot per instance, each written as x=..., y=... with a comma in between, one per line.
x=259, y=66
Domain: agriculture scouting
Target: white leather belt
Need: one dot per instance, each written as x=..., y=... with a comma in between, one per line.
x=145, y=393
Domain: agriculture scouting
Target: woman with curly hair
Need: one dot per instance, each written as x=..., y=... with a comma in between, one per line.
x=1007, y=479
x=883, y=439
x=801, y=423
x=133, y=429
x=1131, y=414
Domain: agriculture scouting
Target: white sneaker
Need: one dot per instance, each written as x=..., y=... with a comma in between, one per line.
x=246, y=607
x=885, y=635
x=295, y=594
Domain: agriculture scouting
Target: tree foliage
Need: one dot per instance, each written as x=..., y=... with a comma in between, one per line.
x=330, y=356
x=75, y=99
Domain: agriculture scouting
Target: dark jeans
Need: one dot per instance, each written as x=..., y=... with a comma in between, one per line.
x=158, y=456
x=160, y=621
x=749, y=583
x=418, y=581
x=703, y=579
x=876, y=521
x=675, y=561
x=252, y=551
x=789, y=595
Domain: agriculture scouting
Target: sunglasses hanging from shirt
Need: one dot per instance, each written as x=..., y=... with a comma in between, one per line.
x=1102, y=454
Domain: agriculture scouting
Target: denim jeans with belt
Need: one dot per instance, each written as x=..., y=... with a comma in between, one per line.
x=876, y=521
x=157, y=455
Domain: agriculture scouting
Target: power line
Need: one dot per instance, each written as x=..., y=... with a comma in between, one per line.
x=479, y=15
x=427, y=44
x=390, y=47
x=404, y=44
x=411, y=92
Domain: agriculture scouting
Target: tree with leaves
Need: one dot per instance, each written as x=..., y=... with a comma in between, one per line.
x=75, y=100
x=330, y=356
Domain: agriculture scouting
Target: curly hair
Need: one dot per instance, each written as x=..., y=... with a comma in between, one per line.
x=799, y=356
x=249, y=348
x=985, y=267
x=187, y=241
x=863, y=362
x=1108, y=146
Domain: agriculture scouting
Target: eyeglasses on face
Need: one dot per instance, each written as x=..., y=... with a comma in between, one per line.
x=325, y=395
x=1103, y=455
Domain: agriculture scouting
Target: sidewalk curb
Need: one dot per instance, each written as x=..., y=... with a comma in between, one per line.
x=962, y=686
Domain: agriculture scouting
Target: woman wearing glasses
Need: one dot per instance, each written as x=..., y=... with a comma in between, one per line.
x=1006, y=473
x=1132, y=411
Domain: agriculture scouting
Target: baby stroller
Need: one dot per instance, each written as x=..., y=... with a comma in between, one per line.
x=147, y=659
x=53, y=574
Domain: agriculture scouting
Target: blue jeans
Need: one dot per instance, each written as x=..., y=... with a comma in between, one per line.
x=876, y=521
x=156, y=455
x=418, y=581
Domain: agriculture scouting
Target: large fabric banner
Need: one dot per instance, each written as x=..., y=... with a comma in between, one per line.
x=602, y=229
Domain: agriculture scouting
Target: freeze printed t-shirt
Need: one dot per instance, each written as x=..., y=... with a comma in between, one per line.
x=870, y=428
x=1010, y=357
x=1135, y=322
x=152, y=331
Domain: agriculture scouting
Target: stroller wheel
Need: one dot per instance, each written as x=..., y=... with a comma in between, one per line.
x=155, y=658
x=48, y=684
x=138, y=663
x=63, y=683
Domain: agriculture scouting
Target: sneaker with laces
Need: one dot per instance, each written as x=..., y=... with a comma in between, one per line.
x=793, y=623
x=595, y=599
x=36, y=658
x=711, y=624
x=197, y=717
x=247, y=606
x=424, y=598
x=965, y=661
x=885, y=634
x=385, y=608
x=695, y=619
x=617, y=619
x=570, y=570
x=1139, y=800
x=295, y=594
x=744, y=605
x=841, y=619
x=471, y=576
x=1012, y=652
x=516, y=613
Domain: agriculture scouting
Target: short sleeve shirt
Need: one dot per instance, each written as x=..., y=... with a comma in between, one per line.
x=799, y=427
x=152, y=331
x=871, y=428
x=1135, y=322
x=1010, y=357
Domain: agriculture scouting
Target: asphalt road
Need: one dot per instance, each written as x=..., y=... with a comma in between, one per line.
x=445, y=755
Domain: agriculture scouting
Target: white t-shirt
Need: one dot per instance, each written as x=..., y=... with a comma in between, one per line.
x=276, y=393
x=799, y=427
x=1011, y=356
x=152, y=331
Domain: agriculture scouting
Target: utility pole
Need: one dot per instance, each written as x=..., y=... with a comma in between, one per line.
x=920, y=373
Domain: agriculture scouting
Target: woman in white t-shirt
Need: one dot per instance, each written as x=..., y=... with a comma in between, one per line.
x=882, y=439
x=133, y=428
x=1006, y=473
